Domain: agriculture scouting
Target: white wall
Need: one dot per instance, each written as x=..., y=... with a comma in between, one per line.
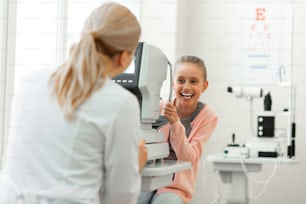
x=210, y=29
x=158, y=21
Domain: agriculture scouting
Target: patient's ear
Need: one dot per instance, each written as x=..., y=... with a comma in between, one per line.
x=205, y=85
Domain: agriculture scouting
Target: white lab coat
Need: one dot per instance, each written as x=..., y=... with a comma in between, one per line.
x=90, y=160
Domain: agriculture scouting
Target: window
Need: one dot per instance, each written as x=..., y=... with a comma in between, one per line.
x=43, y=31
x=7, y=56
x=36, y=36
x=42, y=24
x=2, y=71
x=76, y=18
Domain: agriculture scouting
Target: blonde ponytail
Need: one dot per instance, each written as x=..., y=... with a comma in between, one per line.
x=85, y=69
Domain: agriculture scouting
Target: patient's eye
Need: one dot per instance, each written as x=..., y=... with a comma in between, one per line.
x=194, y=81
x=180, y=81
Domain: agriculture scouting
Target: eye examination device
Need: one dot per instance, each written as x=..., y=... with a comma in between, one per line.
x=240, y=91
x=238, y=162
x=144, y=78
x=264, y=144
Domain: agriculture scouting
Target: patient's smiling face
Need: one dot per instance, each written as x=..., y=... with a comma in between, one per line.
x=188, y=84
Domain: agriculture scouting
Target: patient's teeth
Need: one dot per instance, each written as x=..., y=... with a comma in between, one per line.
x=184, y=94
x=187, y=96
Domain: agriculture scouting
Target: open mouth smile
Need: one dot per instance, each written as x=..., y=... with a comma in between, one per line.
x=186, y=96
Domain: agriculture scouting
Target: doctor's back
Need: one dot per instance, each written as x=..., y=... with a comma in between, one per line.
x=89, y=155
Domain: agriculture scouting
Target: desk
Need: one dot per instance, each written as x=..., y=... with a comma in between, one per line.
x=231, y=171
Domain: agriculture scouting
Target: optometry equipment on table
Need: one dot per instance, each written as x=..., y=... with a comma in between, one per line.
x=237, y=161
x=144, y=78
x=265, y=142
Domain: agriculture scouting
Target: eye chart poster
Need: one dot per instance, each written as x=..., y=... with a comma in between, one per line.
x=266, y=40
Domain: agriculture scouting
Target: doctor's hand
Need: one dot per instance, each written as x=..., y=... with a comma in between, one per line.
x=171, y=113
x=143, y=154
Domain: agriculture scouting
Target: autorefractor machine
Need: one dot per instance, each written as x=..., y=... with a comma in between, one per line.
x=144, y=78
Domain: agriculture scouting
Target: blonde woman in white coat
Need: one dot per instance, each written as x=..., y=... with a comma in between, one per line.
x=75, y=133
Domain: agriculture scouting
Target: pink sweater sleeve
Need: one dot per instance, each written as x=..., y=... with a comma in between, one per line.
x=191, y=148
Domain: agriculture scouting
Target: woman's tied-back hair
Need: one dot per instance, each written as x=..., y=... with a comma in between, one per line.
x=193, y=60
x=109, y=30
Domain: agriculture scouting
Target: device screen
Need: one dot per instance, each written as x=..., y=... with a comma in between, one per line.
x=131, y=67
